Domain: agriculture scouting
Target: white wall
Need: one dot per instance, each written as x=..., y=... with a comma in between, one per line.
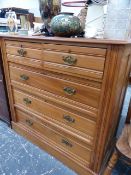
x=32, y=5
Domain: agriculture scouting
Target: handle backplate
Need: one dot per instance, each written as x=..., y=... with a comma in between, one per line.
x=26, y=101
x=24, y=77
x=69, y=90
x=69, y=119
x=69, y=60
x=21, y=52
x=29, y=122
x=67, y=143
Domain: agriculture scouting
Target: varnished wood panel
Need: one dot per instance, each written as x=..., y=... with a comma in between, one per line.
x=83, y=61
x=28, y=52
x=57, y=86
x=72, y=106
x=114, y=86
x=56, y=114
x=73, y=148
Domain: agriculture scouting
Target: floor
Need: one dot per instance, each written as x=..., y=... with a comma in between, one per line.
x=20, y=157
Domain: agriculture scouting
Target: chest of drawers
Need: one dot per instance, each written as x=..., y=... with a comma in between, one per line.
x=66, y=94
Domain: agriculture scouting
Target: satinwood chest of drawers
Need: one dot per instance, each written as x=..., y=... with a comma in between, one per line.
x=66, y=94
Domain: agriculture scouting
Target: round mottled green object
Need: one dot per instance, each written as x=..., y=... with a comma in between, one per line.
x=65, y=24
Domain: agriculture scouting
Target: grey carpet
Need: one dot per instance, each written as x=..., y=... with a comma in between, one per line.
x=20, y=157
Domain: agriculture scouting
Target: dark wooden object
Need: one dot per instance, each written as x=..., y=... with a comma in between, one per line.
x=4, y=109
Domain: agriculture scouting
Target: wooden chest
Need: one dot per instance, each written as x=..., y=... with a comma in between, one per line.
x=66, y=95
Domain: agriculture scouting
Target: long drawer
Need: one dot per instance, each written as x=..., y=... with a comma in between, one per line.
x=56, y=114
x=71, y=90
x=68, y=145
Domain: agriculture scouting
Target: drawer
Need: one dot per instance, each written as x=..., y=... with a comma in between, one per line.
x=70, y=90
x=83, y=62
x=53, y=113
x=31, y=50
x=75, y=60
x=88, y=67
x=60, y=139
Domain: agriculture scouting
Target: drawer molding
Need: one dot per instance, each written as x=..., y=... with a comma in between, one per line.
x=51, y=148
x=86, y=139
x=67, y=144
x=64, y=88
x=76, y=107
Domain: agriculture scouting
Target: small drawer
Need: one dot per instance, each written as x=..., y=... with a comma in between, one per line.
x=75, y=60
x=56, y=114
x=60, y=139
x=68, y=89
x=89, y=67
x=22, y=49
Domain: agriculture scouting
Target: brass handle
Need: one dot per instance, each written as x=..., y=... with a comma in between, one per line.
x=69, y=90
x=29, y=122
x=66, y=142
x=69, y=60
x=27, y=101
x=24, y=77
x=69, y=118
x=21, y=52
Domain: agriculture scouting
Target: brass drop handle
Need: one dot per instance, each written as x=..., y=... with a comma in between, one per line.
x=69, y=60
x=24, y=77
x=66, y=142
x=27, y=101
x=69, y=90
x=69, y=119
x=21, y=52
x=29, y=122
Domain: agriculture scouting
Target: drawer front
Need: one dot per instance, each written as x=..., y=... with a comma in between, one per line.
x=24, y=52
x=59, y=138
x=73, y=91
x=22, y=49
x=83, y=61
x=56, y=114
x=87, y=67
